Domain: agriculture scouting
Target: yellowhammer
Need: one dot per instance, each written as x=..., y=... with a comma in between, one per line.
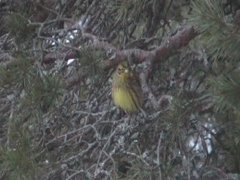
x=126, y=89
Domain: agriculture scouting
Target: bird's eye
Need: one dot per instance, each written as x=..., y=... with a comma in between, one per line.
x=120, y=70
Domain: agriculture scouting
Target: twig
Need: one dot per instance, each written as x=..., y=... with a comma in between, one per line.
x=158, y=155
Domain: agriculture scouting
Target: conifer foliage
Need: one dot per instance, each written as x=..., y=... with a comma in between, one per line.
x=57, y=118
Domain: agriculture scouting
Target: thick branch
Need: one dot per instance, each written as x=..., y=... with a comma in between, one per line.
x=181, y=39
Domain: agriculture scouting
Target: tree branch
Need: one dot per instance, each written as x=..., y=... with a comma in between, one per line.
x=181, y=39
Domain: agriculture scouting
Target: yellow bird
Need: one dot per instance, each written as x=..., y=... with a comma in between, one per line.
x=126, y=89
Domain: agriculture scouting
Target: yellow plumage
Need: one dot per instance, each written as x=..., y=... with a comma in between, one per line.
x=126, y=90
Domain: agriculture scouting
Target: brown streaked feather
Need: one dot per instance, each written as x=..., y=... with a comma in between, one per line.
x=128, y=82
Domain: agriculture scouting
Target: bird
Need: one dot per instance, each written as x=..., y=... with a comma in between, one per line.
x=127, y=93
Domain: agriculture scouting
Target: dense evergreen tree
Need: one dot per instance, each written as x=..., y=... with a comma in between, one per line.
x=57, y=118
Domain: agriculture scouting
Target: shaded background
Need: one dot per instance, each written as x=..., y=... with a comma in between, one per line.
x=57, y=119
